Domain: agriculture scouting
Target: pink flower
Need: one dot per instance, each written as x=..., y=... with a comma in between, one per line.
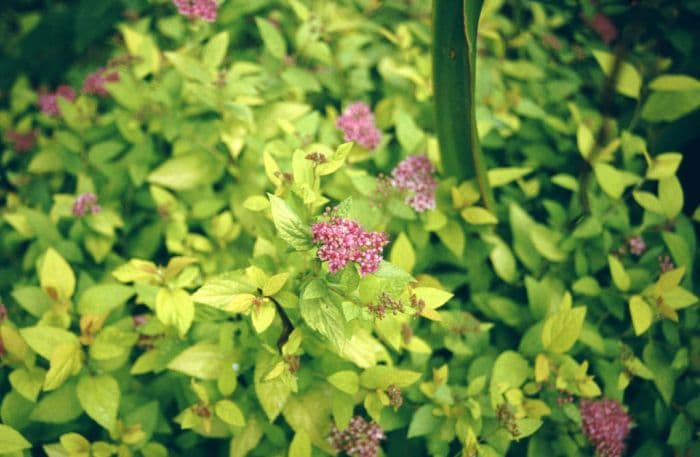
x=606, y=425
x=22, y=142
x=360, y=439
x=48, y=102
x=357, y=123
x=344, y=240
x=95, y=82
x=202, y=9
x=637, y=245
x=603, y=26
x=414, y=176
x=84, y=203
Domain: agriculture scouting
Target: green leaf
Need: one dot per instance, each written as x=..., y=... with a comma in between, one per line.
x=66, y=360
x=289, y=225
x=44, y=339
x=619, y=275
x=642, y=315
x=561, y=330
x=664, y=165
x=11, y=440
x=56, y=276
x=32, y=299
x=58, y=407
x=203, y=361
x=546, y=242
x=423, y=422
x=175, y=308
x=325, y=318
x=272, y=394
x=99, y=396
x=671, y=196
x=143, y=47
x=648, y=201
x=186, y=172
x=381, y=377
x=476, y=215
x=263, y=316
x=502, y=176
x=28, y=381
x=272, y=38
x=300, y=445
x=502, y=258
x=510, y=370
x=230, y=413
x=674, y=83
x=629, y=82
x=215, y=50
x=613, y=181
x=585, y=140
x=346, y=381
x=402, y=253
x=669, y=106
x=103, y=298
x=681, y=432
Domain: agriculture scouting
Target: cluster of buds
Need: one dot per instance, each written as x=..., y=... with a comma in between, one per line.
x=665, y=263
x=316, y=157
x=506, y=418
x=385, y=303
x=198, y=9
x=293, y=363
x=417, y=303
x=95, y=82
x=636, y=245
x=413, y=177
x=343, y=240
x=357, y=123
x=395, y=396
x=84, y=203
x=606, y=426
x=22, y=142
x=48, y=103
x=360, y=439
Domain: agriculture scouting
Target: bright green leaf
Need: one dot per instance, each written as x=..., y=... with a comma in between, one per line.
x=99, y=396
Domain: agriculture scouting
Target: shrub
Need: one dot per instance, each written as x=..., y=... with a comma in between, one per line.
x=198, y=259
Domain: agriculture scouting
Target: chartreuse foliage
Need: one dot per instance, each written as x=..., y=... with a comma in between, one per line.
x=191, y=315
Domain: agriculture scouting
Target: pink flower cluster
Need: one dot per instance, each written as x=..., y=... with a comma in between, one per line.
x=637, y=245
x=357, y=123
x=414, y=176
x=84, y=203
x=95, y=82
x=360, y=439
x=343, y=240
x=202, y=9
x=48, y=103
x=606, y=425
x=22, y=142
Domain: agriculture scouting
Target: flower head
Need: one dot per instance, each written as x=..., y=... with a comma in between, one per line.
x=344, y=240
x=637, y=245
x=95, y=82
x=360, y=439
x=84, y=203
x=414, y=176
x=202, y=9
x=357, y=123
x=22, y=142
x=606, y=425
x=48, y=103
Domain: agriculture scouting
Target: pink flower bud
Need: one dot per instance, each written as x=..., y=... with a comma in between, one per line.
x=48, y=103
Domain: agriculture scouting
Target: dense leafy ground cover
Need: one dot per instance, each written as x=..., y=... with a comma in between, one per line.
x=228, y=229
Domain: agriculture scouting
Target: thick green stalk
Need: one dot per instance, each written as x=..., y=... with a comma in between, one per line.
x=455, y=24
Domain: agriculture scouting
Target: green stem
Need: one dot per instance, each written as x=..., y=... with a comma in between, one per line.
x=455, y=26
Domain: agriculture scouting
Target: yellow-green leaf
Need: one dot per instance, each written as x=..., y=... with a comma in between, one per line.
x=629, y=82
x=642, y=315
x=66, y=361
x=230, y=413
x=263, y=316
x=99, y=396
x=502, y=176
x=382, y=376
x=561, y=330
x=346, y=381
x=648, y=201
x=671, y=196
x=402, y=253
x=672, y=83
x=618, y=273
x=476, y=215
x=203, y=361
x=300, y=445
x=175, y=308
x=274, y=284
x=56, y=276
x=664, y=165
x=11, y=440
x=584, y=140
x=44, y=339
x=613, y=181
x=272, y=38
x=433, y=298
